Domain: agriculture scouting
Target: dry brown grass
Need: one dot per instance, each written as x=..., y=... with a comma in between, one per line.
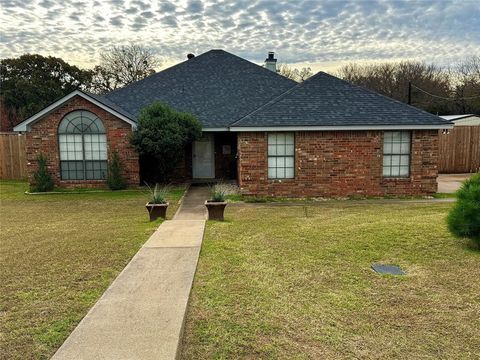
x=58, y=254
x=295, y=283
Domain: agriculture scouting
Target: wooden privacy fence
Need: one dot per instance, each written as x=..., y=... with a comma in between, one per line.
x=13, y=157
x=460, y=150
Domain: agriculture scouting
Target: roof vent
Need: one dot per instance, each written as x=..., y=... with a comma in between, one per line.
x=271, y=62
x=190, y=56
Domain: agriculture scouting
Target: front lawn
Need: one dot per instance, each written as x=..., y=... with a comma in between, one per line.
x=294, y=282
x=58, y=254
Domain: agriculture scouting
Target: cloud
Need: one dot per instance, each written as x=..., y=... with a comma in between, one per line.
x=194, y=6
x=140, y=4
x=302, y=31
x=116, y=21
x=167, y=7
x=147, y=14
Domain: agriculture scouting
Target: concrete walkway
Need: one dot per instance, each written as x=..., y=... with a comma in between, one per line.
x=193, y=204
x=141, y=314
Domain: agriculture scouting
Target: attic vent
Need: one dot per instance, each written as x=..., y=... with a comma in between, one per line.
x=190, y=56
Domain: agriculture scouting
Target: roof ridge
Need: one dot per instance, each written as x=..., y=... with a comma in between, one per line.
x=277, y=98
x=318, y=96
x=161, y=71
x=192, y=60
x=378, y=94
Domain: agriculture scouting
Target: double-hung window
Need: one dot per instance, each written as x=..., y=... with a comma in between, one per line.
x=396, y=153
x=281, y=156
x=83, y=147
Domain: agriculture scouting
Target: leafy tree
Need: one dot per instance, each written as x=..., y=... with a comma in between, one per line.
x=464, y=218
x=162, y=135
x=31, y=82
x=42, y=180
x=115, y=179
x=123, y=65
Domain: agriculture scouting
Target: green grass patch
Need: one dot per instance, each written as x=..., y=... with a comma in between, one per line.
x=58, y=254
x=294, y=282
x=445, y=195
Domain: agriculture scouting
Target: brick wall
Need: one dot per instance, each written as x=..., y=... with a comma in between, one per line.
x=338, y=164
x=43, y=139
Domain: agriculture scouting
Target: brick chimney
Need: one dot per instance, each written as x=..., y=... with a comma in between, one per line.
x=271, y=62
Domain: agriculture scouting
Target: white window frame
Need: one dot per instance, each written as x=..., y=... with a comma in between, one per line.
x=397, y=150
x=280, y=154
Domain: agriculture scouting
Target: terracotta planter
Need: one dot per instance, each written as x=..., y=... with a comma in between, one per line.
x=157, y=211
x=215, y=209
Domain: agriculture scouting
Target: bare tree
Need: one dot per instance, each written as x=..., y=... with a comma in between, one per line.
x=466, y=78
x=123, y=65
x=391, y=79
x=295, y=74
x=304, y=73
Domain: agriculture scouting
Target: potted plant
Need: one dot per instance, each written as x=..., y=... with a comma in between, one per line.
x=216, y=206
x=157, y=206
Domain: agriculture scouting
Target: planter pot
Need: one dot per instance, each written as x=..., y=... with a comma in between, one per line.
x=215, y=209
x=157, y=211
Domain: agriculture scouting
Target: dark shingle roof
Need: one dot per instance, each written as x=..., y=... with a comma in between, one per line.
x=324, y=100
x=111, y=105
x=218, y=87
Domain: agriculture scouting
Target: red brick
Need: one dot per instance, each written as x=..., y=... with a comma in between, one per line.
x=43, y=139
x=338, y=164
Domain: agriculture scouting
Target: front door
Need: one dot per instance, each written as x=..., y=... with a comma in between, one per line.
x=203, y=158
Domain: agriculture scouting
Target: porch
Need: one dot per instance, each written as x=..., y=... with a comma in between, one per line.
x=210, y=159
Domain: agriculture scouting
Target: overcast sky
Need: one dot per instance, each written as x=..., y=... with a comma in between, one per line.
x=320, y=34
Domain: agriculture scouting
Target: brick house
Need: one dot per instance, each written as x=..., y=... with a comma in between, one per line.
x=275, y=137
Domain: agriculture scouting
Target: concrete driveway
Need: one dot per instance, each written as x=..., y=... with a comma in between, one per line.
x=449, y=183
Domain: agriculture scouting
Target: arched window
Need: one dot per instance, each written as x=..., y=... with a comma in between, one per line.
x=83, y=147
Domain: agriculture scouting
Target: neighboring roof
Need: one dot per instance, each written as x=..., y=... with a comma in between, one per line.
x=95, y=99
x=325, y=101
x=457, y=117
x=463, y=120
x=217, y=87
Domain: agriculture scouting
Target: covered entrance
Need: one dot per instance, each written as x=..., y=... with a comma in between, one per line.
x=203, y=158
x=214, y=156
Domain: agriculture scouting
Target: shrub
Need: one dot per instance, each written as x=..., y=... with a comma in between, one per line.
x=115, y=179
x=42, y=180
x=158, y=195
x=162, y=135
x=464, y=218
x=218, y=196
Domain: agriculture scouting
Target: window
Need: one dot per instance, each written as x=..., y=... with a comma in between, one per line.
x=396, y=154
x=83, y=147
x=281, y=156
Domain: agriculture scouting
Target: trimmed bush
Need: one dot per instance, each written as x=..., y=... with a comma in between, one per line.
x=464, y=218
x=162, y=135
x=115, y=179
x=42, y=180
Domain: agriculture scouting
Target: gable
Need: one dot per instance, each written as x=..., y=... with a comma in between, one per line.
x=95, y=99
